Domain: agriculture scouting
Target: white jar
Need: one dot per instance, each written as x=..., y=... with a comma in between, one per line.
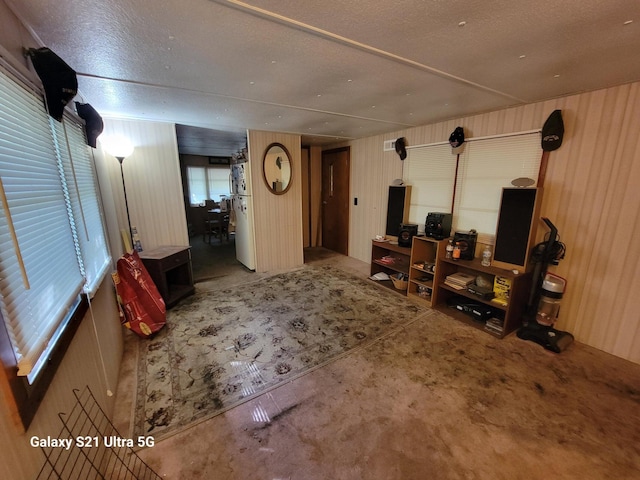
x=486, y=256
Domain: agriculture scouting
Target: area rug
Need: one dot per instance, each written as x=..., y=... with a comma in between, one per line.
x=224, y=347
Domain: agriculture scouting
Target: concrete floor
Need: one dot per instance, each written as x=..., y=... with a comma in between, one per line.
x=437, y=400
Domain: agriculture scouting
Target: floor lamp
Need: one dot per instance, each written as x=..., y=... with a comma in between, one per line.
x=121, y=148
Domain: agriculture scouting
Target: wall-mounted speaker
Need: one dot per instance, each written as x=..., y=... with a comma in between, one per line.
x=516, y=231
x=397, y=208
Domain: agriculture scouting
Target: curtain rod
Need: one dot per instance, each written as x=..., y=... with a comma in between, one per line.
x=19, y=72
x=475, y=139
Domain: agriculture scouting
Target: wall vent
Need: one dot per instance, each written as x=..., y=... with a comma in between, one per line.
x=389, y=145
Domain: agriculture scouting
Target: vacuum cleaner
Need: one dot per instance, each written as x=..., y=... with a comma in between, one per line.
x=546, y=293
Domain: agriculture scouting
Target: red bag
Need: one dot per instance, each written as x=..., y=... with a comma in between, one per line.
x=141, y=306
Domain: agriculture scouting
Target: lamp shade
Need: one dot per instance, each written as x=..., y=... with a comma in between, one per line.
x=118, y=146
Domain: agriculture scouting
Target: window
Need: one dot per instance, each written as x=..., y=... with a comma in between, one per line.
x=207, y=183
x=485, y=166
x=52, y=242
x=431, y=173
x=41, y=276
x=82, y=185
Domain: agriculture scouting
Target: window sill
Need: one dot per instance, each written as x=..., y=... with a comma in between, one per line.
x=28, y=397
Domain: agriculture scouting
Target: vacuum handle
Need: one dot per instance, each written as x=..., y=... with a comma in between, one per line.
x=554, y=231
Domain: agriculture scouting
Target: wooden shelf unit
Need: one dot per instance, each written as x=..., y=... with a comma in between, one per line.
x=511, y=314
x=430, y=253
x=424, y=253
x=402, y=260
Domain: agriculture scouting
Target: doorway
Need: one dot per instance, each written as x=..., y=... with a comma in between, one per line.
x=335, y=199
x=205, y=182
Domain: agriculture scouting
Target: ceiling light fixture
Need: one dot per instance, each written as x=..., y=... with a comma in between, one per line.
x=628, y=22
x=462, y=24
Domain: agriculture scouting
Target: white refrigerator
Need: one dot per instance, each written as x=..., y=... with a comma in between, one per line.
x=242, y=204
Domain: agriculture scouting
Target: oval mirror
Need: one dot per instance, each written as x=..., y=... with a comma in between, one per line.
x=276, y=168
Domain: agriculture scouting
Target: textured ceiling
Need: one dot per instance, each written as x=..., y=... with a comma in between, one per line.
x=335, y=69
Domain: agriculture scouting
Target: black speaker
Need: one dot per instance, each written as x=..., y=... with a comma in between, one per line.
x=397, y=208
x=438, y=225
x=467, y=241
x=406, y=234
x=517, y=221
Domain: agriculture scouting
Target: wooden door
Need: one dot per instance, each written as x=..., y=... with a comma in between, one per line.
x=306, y=195
x=335, y=199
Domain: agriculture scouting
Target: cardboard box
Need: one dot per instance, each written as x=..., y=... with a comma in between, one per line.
x=501, y=290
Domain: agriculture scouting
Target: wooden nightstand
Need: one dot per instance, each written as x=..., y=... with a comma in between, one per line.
x=170, y=270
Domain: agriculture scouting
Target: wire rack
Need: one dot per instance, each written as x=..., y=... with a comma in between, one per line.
x=95, y=448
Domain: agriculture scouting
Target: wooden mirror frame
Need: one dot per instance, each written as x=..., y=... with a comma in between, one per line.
x=269, y=182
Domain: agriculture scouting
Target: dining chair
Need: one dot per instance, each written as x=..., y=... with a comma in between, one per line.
x=216, y=225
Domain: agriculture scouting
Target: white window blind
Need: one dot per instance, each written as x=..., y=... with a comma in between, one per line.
x=82, y=185
x=430, y=170
x=40, y=276
x=218, y=178
x=486, y=166
x=197, y=185
x=207, y=183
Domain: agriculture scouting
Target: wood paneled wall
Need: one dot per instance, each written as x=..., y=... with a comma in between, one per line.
x=591, y=195
x=93, y=359
x=153, y=181
x=277, y=218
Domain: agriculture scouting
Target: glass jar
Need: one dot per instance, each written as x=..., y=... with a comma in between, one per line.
x=486, y=257
x=449, y=250
x=456, y=251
